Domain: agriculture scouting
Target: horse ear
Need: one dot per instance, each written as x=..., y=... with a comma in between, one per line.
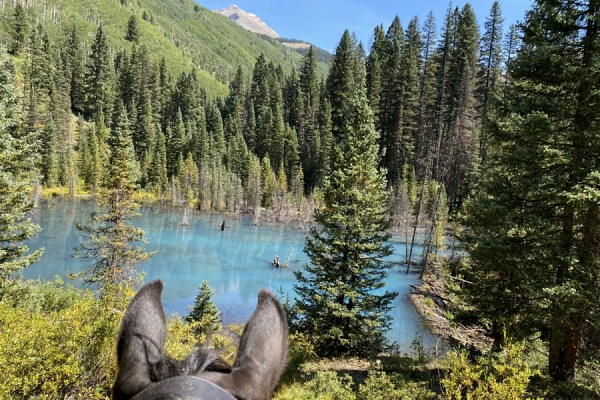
x=262, y=354
x=141, y=341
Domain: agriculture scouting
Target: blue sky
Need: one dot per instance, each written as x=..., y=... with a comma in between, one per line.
x=322, y=22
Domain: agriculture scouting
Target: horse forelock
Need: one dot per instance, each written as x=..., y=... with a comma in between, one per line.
x=193, y=365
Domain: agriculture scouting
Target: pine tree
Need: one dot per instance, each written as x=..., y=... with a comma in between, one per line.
x=341, y=82
x=157, y=173
x=427, y=93
x=459, y=150
x=99, y=89
x=132, y=34
x=411, y=65
x=17, y=159
x=39, y=76
x=391, y=102
x=490, y=71
x=74, y=68
x=512, y=43
x=375, y=68
x=20, y=30
x=109, y=242
x=308, y=120
x=340, y=305
x=49, y=154
x=204, y=312
x=534, y=226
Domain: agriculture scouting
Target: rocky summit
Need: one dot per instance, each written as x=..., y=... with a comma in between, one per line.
x=247, y=20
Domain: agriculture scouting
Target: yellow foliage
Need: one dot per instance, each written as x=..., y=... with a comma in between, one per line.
x=59, y=353
x=502, y=376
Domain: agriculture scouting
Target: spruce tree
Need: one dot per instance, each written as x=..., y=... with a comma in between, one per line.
x=132, y=34
x=308, y=119
x=533, y=228
x=341, y=305
x=341, y=82
x=17, y=159
x=391, y=102
x=20, y=30
x=427, y=94
x=99, y=89
x=109, y=242
x=204, y=312
x=490, y=71
x=458, y=147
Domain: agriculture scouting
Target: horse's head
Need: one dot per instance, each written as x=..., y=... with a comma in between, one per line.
x=145, y=373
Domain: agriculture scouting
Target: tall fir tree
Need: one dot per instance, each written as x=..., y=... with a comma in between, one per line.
x=308, y=123
x=427, y=94
x=459, y=150
x=18, y=151
x=533, y=228
x=99, y=89
x=391, y=102
x=341, y=305
x=341, y=84
x=110, y=242
x=20, y=30
x=132, y=33
x=490, y=72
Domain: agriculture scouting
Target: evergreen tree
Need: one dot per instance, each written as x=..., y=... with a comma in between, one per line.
x=204, y=312
x=269, y=182
x=234, y=105
x=340, y=304
x=157, y=173
x=132, y=34
x=490, y=71
x=17, y=158
x=512, y=43
x=109, y=242
x=49, y=154
x=308, y=123
x=459, y=151
x=534, y=226
x=411, y=66
x=39, y=76
x=20, y=30
x=427, y=94
x=99, y=78
x=74, y=69
x=375, y=68
x=341, y=84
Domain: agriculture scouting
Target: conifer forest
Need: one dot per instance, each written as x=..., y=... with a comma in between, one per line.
x=481, y=139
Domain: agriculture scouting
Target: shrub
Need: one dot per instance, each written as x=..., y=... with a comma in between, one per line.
x=323, y=386
x=502, y=375
x=380, y=386
x=65, y=352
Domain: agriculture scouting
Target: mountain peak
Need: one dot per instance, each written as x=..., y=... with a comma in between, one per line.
x=247, y=20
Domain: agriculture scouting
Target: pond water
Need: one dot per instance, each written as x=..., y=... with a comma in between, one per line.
x=235, y=261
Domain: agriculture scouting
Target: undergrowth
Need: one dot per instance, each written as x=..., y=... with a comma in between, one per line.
x=59, y=342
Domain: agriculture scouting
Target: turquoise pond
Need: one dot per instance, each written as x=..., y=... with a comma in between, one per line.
x=236, y=261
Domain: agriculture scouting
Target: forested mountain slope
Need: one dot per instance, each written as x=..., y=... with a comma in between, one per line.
x=181, y=31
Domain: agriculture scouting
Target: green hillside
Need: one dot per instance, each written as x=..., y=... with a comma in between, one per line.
x=182, y=31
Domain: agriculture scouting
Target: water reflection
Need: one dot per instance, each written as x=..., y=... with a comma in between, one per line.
x=236, y=261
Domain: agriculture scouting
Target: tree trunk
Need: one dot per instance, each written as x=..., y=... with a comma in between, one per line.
x=564, y=345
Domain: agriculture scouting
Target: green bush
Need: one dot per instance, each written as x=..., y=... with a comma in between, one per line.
x=325, y=385
x=380, y=386
x=503, y=376
x=65, y=347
